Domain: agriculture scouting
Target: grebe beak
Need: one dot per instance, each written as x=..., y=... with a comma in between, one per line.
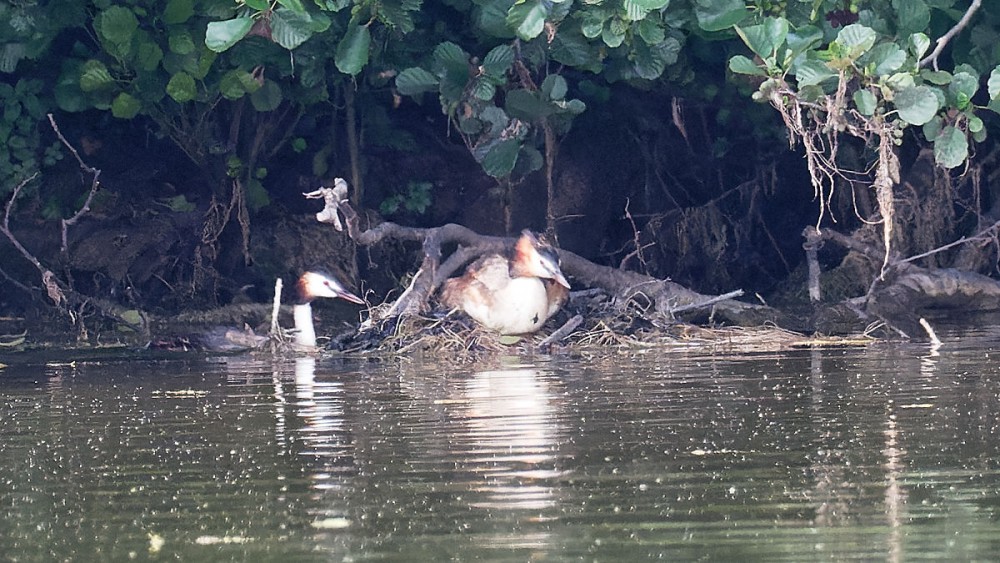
x=560, y=279
x=348, y=296
x=550, y=269
x=316, y=284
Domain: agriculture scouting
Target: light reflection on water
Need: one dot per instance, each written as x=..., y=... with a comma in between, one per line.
x=887, y=453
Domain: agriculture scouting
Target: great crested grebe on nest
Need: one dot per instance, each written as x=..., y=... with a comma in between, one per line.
x=514, y=294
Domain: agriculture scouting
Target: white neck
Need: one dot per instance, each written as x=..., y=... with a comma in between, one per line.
x=305, y=333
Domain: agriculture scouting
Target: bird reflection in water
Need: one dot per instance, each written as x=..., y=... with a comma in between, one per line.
x=322, y=435
x=513, y=436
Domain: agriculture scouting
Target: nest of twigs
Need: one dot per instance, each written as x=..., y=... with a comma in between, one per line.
x=588, y=324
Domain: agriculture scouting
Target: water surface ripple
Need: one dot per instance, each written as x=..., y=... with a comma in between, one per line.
x=888, y=453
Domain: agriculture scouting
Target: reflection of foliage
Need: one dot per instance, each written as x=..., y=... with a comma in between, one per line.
x=416, y=198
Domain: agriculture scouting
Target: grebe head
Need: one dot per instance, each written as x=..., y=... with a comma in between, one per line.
x=313, y=284
x=534, y=257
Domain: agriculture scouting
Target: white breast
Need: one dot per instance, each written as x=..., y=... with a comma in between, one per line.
x=520, y=307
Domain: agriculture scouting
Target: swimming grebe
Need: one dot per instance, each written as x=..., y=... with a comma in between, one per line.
x=513, y=295
x=311, y=285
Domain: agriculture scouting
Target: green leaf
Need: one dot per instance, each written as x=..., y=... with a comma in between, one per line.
x=498, y=60
x=352, y=51
x=651, y=32
x=257, y=196
x=939, y=77
x=717, y=15
x=528, y=18
x=963, y=87
x=932, y=128
x=178, y=11
x=451, y=63
x=592, y=24
x=290, y=28
x=652, y=4
x=743, y=65
x=469, y=125
x=293, y=5
x=182, y=87
x=812, y=72
x=917, y=104
x=951, y=147
x=178, y=204
x=500, y=160
x=117, y=24
x=912, y=16
x=233, y=84
x=68, y=94
x=10, y=55
x=509, y=339
x=492, y=19
x=857, y=39
x=554, y=87
x=613, y=36
x=993, y=84
x=975, y=124
x=865, y=102
x=573, y=107
x=414, y=81
x=886, y=57
x=483, y=89
x=803, y=38
x=222, y=35
x=268, y=97
x=525, y=105
x=148, y=56
x=94, y=76
x=764, y=39
x=652, y=60
x=319, y=23
x=125, y=106
x=180, y=42
x=918, y=43
x=979, y=135
x=633, y=11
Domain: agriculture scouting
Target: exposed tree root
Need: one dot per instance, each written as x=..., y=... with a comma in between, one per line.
x=907, y=292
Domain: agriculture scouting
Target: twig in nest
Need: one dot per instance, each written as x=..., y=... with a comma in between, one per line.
x=561, y=332
x=707, y=302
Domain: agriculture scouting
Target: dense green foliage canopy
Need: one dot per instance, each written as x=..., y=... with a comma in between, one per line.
x=509, y=74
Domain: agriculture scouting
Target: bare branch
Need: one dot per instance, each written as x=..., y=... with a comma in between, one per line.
x=944, y=39
x=94, y=184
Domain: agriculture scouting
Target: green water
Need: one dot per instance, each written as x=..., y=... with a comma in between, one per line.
x=889, y=453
